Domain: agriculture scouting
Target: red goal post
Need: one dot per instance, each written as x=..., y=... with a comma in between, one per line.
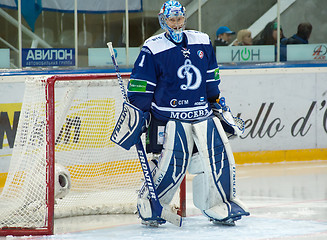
x=67, y=120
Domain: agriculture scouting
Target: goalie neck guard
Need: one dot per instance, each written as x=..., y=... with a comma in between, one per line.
x=168, y=10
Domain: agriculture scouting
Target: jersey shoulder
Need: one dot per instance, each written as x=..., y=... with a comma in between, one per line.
x=196, y=37
x=158, y=43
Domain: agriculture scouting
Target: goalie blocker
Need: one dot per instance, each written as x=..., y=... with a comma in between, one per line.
x=131, y=123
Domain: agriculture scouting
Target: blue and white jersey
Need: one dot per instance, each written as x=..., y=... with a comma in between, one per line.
x=175, y=82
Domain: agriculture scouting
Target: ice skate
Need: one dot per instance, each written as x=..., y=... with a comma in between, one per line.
x=153, y=223
x=230, y=221
x=227, y=222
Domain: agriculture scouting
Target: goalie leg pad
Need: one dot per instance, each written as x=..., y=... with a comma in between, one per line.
x=196, y=165
x=171, y=169
x=177, y=149
x=173, y=161
x=214, y=189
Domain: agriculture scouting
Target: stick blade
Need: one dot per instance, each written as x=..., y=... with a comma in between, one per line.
x=171, y=217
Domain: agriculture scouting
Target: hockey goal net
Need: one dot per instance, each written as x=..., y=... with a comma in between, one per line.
x=68, y=120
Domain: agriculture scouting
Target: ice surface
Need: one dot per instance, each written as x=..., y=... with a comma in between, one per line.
x=287, y=201
x=198, y=227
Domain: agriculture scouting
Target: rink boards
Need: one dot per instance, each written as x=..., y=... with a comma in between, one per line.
x=284, y=109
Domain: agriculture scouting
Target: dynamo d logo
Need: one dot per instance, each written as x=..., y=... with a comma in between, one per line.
x=190, y=72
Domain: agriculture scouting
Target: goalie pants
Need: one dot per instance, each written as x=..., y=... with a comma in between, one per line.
x=214, y=184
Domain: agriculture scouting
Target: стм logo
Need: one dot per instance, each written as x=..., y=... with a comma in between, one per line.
x=173, y=102
x=319, y=53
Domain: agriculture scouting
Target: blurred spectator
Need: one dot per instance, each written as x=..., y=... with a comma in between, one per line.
x=244, y=38
x=223, y=35
x=302, y=36
x=269, y=35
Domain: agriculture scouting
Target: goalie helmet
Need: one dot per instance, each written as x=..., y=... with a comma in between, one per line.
x=171, y=9
x=62, y=181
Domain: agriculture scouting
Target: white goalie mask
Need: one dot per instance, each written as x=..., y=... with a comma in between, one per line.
x=62, y=181
x=172, y=19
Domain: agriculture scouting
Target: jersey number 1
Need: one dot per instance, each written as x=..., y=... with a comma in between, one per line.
x=141, y=64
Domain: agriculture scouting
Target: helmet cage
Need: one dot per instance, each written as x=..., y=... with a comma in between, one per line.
x=172, y=9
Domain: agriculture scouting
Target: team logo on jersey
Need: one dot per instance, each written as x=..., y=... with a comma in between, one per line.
x=202, y=102
x=186, y=52
x=217, y=77
x=192, y=75
x=173, y=102
x=200, y=54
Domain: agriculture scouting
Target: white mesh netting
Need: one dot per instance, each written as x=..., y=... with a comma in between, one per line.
x=105, y=178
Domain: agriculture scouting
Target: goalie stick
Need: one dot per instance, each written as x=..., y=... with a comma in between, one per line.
x=158, y=210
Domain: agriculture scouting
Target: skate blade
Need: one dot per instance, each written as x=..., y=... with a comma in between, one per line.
x=228, y=222
x=151, y=223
